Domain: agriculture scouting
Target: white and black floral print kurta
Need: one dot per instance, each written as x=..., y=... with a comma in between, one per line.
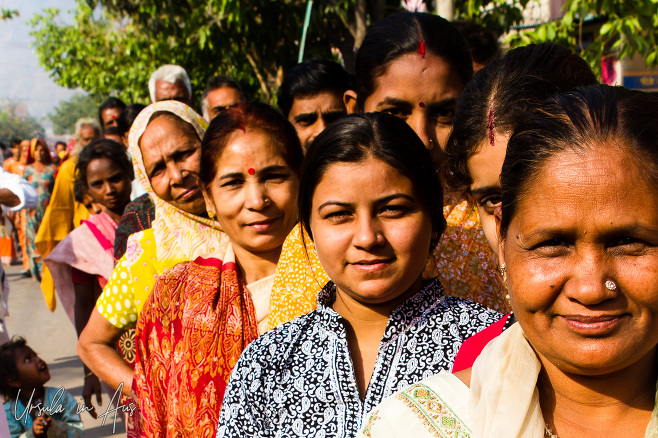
x=298, y=380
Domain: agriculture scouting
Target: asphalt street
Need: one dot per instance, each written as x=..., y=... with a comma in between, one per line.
x=53, y=337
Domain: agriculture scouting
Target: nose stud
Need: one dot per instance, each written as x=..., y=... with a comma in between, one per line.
x=610, y=285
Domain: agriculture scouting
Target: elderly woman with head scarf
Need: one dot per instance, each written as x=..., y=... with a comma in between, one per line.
x=165, y=145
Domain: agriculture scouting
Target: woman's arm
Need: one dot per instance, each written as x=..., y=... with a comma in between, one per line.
x=97, y=349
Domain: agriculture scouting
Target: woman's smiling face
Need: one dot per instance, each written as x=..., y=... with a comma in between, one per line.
x=582, y=261
x=254, y=193
x=371, y=232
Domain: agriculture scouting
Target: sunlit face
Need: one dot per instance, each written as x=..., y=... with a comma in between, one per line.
x=109, y=116
x=167, y=91
x=172, y=158
x=108, y=185
x=371, y=232
x=254, y=194
x=485, y=167
x=32, y=370
x=87, y=135
x=311, y=115
x=585, y=220
x=220, y=99
x=421, y=91
x=41, y=153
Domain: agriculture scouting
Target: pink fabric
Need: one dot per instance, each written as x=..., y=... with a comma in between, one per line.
x=87, y=249
x=473, y=346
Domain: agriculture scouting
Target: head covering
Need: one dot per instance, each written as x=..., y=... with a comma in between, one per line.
x=33, y=147
x=179, y=235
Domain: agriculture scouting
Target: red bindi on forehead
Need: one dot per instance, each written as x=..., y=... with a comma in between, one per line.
x=251, y=171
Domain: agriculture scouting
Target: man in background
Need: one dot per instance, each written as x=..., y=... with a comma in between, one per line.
x=170, y=82
x=311, y=97
x=222, y=92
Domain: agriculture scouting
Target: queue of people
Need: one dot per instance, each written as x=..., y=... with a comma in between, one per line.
x=412, y=251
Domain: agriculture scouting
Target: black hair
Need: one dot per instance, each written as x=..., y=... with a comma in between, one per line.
x=402, y=33
x=481, y=42
x=500, y=95
x=128, y=116
x=383, y=137
x=8, y=369
x=248, y=116
x=310, y=78
x=60, y=142
x=101, y=148
x=14, y=142
x=221, y=81
x=111, y=102
x=580, y=121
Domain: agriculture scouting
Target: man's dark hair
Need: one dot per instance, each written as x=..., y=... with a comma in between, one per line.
x=310, y=78
x=221, y=81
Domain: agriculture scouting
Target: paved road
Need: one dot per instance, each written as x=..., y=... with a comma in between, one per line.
x=53, y=337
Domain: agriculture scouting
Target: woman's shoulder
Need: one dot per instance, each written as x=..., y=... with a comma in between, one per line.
x=430, y=407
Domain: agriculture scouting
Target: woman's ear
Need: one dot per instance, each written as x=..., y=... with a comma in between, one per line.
x=210, y=205
x=349, y=99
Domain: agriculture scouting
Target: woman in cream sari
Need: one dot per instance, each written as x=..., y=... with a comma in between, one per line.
x=579, y=251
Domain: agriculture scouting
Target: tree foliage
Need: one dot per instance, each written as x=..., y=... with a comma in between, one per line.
x=8, y=14
x=12, y=126
x=64, y=115
x=620, y=28
x=113, y=45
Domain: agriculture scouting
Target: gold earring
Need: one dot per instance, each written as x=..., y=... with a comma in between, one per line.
x=211, y=216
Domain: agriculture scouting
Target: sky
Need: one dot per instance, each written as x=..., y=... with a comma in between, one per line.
x=22, y=79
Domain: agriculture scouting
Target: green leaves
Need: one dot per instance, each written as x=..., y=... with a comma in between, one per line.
x=621, y=28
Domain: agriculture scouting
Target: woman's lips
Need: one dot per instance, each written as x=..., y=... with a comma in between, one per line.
x=261, y=226
x=190, y=193
x=371, y=265
x=592, y=325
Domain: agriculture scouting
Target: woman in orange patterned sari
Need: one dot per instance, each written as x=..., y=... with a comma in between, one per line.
x=202, y=314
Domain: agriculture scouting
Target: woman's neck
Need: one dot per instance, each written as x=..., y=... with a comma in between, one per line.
x=619, y=403
x=254, y=267
x=365, y=324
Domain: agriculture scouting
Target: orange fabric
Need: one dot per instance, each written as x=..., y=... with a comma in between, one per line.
x=190, y=334
x=62, y=215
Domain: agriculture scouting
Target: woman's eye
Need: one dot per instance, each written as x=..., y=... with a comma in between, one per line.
x=628, y=245
x=276, y=177
x=338, y=215
x=394, y=210
x=397, y=112
x=444, y=115
x=232, y=183
x=490, y=203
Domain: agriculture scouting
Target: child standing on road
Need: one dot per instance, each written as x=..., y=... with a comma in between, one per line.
x=32, y=409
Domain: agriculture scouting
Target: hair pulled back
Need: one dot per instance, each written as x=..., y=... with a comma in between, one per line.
x=248, y=116
x=402, y=33
x=101, y=148
x=500, y=95
x=384, y=137
x=580, y=121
